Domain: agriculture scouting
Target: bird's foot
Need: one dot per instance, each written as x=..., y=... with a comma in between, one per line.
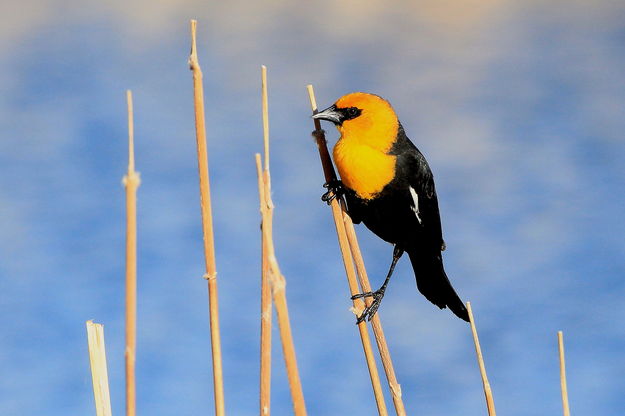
x=335, y=189
x=370, y=310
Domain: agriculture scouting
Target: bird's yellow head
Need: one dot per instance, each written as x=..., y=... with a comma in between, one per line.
x=366, y=118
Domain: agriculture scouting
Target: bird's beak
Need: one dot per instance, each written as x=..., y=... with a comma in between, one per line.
x=329, y=114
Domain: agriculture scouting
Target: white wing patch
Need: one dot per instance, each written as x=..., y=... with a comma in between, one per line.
x=415, y=200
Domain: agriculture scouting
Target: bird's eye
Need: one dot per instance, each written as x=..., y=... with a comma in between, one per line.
x=352, y=112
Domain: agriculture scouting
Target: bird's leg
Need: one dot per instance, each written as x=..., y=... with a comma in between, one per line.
x=335, y=189
x=378, y=294
x=397, y=253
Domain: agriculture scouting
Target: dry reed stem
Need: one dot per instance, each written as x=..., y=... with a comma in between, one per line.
x=565, y=394
x=131, y=182
x=99, y=374
x=278, y=284
x=490, y=403
x=265, y=291
x=266, y=313
x=265, y=105
x=207, y=224
x=345, y=247
x=376, y=324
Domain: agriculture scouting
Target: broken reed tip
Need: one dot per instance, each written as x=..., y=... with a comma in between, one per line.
x=193, y=59
x=193, y=34
x=132, y=176
x=313, y=101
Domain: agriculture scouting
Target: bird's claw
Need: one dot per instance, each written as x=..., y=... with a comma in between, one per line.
x=370, y=310
x=335, y=189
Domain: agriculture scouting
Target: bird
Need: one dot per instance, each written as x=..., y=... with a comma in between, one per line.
x=388, y=185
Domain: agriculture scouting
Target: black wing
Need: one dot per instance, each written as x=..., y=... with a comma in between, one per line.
x=416, y=182
x=427, y=243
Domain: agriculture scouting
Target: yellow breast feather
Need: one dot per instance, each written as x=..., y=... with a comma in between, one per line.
x=363, y=169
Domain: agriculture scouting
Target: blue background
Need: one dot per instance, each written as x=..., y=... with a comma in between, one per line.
x=517, y=105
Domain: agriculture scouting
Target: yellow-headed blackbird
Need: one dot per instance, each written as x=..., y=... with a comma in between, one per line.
x=389, y=186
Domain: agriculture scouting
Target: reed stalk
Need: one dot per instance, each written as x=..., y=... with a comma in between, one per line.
x=99, y=374
x=131, y=182
x=278, y=284
x=276, y=278
x=348, y=262
x=265, y=291
x=490, y=403
x=563, y=388
x=376, y=324
x=207, y=224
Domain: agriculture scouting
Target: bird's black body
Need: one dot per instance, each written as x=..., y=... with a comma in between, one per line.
x=393, y=216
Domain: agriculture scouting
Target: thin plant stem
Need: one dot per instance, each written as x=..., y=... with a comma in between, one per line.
x=207, y=225
x=563, y=388
x=265, y=291
x=490, y=403
x=278, y=284
x=99, y=374
x=376, y=324
x=131, y=182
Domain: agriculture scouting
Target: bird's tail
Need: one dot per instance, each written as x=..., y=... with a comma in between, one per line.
x=433, y=283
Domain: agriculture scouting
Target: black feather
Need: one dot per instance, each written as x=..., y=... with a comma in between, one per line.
x=433, y=283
